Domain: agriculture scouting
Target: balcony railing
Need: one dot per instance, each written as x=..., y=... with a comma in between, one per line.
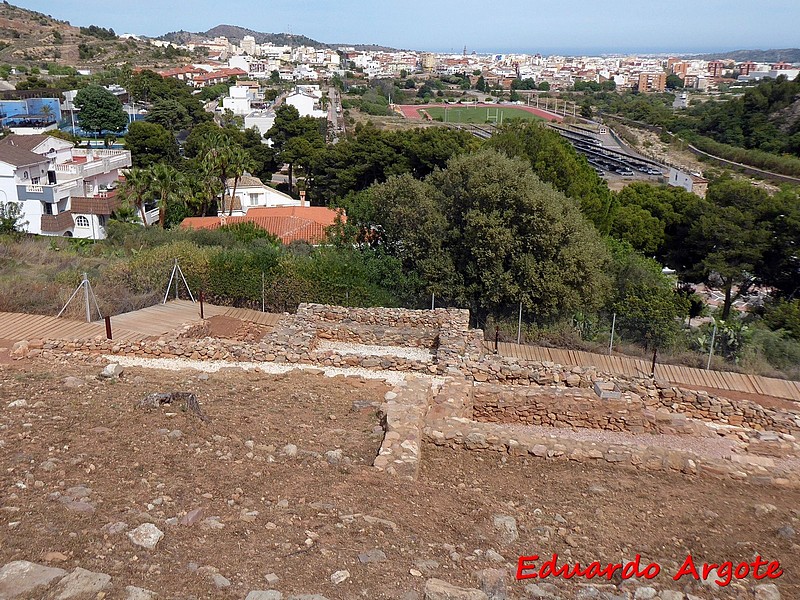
x=57, y=223
x=45, y=192
x=97, y=205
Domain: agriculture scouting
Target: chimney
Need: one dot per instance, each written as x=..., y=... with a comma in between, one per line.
x=302, y=198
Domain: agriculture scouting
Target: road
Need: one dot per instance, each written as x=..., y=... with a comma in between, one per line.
x=335, y=118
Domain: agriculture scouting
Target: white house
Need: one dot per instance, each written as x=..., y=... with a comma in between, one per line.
x=307, y=104
x=239, y=100
x=60, y=189
x=262, y=120
x=688, y=181
x=251, y=192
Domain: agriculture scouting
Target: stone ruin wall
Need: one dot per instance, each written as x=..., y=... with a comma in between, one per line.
x=482, y=391
x=455, y=349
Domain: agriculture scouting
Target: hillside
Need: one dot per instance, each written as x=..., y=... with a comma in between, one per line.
x=29, y=37
x=234, y=33
x=790, y=55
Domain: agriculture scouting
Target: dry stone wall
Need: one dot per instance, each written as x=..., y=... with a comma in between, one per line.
x=482, y=392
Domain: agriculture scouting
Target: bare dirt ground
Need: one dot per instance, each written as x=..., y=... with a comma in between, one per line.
x=305, y=515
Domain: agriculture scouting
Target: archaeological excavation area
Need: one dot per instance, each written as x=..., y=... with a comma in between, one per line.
x=378, y=453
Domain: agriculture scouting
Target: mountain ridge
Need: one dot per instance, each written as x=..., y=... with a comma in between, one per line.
x=235, y=33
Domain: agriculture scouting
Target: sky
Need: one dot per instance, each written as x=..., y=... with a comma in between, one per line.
x=551, y=27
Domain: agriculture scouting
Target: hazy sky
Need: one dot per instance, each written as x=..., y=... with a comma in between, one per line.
x=442, y=25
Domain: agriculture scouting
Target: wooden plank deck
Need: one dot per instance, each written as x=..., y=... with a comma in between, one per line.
x=623, y=365
x=19, y=326
x=153, y=321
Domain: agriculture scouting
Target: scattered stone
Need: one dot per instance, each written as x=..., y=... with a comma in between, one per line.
x=175, y=434
x=786, y=532
x=283, y=503
x=372, y=556
x=670, y=595
x=114, y=528
x=18, y=404
x=340, y=577
x=763, y=510
x=112, y=371
x=78, y=506
x=264, y=595
x=543, y=591
x=192, y=517
x=54, y=557
x=212, y=523
x=220, y=582
x=72, y=382
x=271, y=578
x=81, y=584
x=494, y=556
x=493, y=583
x=767, y=591
x=137, y=593
x=427, y=566
x=289, y=450
x=146, y=535
x=334, y=457
x=436, y=589
x=20, y=578
x=507, y=528
x=645, y=593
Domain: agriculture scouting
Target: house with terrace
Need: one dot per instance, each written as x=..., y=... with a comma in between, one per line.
x=61, y=189
x=251, y=193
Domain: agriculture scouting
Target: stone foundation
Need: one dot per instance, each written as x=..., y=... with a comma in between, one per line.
x=482, y=392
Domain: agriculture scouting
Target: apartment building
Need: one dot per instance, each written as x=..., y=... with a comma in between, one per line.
x=60, y=189
x=652, y=82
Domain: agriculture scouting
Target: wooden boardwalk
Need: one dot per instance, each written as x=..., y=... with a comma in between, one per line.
x=153, y=321
x=19, y=326
x=634, y=367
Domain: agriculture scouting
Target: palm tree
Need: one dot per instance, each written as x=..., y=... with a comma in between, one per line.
x=137, y=188
x=239, y=161
x=167, y=182
x=227, y=160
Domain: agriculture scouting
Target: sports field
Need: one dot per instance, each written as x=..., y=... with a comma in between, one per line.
x=479, y=115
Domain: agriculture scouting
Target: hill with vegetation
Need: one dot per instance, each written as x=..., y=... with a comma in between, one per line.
x=791, y=55
x=32, y=38
x=235, y=34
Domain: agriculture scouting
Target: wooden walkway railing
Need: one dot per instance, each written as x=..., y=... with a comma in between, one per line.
x=634, y=367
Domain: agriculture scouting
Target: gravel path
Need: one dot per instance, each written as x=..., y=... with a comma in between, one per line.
x=344, y=348
x=704, y=446
x=212, y=366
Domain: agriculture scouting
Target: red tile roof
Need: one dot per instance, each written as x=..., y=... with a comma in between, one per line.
x=288, y=223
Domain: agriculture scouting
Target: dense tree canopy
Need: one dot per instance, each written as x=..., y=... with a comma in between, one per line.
x=150, y=143
x=100, y=110
x=555, y=161
x=487, y=233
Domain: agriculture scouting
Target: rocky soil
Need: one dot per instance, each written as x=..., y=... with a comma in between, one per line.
x=276, y=492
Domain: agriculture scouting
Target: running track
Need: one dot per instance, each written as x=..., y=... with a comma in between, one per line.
x=411, y=111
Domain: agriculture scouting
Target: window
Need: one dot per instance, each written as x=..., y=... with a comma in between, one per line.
x=253, y=199
x=35, y=180
x=81, y=221
x=25, y=175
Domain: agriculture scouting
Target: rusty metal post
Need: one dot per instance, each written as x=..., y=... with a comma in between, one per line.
x=653, y=367
x=108, y=327
x=496, y=337
x=201, y=304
